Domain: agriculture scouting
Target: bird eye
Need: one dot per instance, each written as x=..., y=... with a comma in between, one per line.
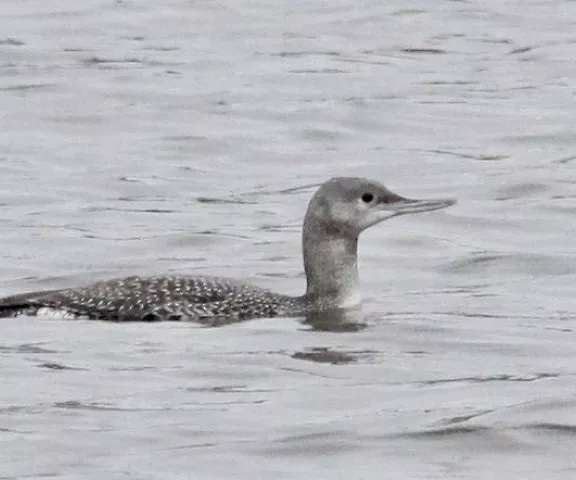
x=367, y=197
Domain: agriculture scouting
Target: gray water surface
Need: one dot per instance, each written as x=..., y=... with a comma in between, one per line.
x=187, y=136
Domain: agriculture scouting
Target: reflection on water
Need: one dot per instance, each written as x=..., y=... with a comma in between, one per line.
x=325, y=355
x=332, y=320
x=336, y=320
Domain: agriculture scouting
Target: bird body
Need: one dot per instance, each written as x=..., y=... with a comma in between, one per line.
x=338, y=212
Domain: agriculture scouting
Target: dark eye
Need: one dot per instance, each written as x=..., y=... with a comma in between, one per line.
x=367, y=197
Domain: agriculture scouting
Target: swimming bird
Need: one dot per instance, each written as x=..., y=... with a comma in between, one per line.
x=337, y=213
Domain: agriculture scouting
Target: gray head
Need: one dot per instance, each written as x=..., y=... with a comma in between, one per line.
x=338, y=212
x=349, y=205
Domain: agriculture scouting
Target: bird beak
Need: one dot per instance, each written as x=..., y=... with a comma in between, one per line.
x=406, y=205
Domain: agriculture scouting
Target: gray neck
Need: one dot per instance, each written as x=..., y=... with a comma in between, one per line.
x=331, y=265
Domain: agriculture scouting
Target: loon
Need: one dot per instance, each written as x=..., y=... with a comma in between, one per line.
x=338, y=212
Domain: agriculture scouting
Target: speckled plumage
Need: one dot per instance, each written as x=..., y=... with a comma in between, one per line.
x=158, y=298
x=338, y=212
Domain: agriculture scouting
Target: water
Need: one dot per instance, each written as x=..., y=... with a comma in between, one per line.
x=139, y=138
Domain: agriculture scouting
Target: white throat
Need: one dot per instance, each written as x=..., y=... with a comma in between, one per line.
x=352, y=298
